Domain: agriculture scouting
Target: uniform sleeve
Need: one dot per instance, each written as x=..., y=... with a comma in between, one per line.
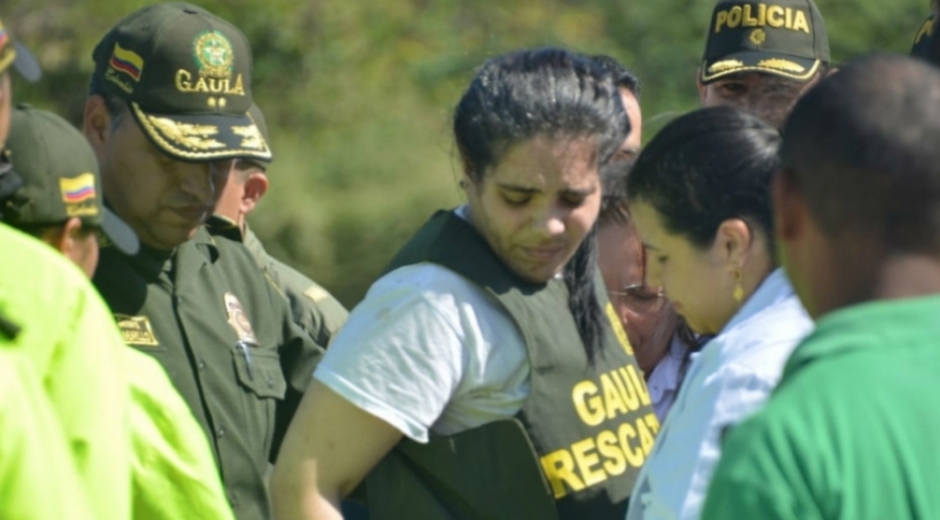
x=299, y=354
x=173, y=473
x=400, y=357
x=38, y=478
x=312, y=306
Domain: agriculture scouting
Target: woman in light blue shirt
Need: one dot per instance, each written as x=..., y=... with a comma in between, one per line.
x=700, y=198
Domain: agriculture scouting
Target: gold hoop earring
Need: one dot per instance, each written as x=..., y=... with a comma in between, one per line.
x=738, y=293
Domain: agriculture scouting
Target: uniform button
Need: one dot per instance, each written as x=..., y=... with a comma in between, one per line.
x=220, y=431
x=270, y=382
x=201, y=363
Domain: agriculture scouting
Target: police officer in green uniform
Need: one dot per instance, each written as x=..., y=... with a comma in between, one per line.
x=166, y=115
x=315, y=309
x=762, y=56
x=481, y=378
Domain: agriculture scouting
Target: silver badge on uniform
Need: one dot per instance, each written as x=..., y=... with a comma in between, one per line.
x=239, y=320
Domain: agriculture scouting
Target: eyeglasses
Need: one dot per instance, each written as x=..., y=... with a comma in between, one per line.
x=641, y=297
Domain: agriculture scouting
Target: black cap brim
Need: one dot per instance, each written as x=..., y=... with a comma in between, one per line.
x=26, y=64
x=203, y=137
x=119, y=233
x=776, y=63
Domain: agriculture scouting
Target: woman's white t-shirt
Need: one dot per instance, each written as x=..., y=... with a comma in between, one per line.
x=428, y=350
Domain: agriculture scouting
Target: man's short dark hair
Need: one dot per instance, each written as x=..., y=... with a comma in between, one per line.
x=622, y=76
x=614, y=207
x=115, y=106
x=862, y=147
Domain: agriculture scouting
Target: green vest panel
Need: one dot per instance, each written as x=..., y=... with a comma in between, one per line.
x=576, y=447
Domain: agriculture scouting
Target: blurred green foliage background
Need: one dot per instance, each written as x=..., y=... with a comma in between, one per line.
x=358, y=94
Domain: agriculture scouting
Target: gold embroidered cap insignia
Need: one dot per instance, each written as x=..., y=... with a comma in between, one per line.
x=213, y=54
x=758, y=37
x=781, y=64
x=723, y=65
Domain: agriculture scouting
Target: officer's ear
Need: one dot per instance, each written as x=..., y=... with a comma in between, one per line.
x=62, y=237
x=96, y=124
x=256, y=185
x=701, y=86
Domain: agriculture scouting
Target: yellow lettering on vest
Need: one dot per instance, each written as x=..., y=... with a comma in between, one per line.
x=615, y=464
x=587, y=459
x=720, y=19
x=789, y=17
x=590, y=410
x=734, y=17
x=559, y=469
x=800, y=23
x=201, y=86
x=630, y=395
x=646, y=438
x=635, y=456
x=612, y=397
x=775, y=16
x=653, y=422
x=925, y=30
x=183, y=81
x=748, y=20
x=762, y=15
x=639, y=384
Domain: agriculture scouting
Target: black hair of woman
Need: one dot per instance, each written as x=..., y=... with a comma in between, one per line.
x=706, y=167
x=544, y=92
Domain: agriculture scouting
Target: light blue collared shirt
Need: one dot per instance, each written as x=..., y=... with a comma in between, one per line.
x=727, y=381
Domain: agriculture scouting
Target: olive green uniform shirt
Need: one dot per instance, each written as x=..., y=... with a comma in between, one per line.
x=851, y=431
x=313, y=307
x=227, y=339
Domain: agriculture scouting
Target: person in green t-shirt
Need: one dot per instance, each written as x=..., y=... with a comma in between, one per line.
x=852, y=429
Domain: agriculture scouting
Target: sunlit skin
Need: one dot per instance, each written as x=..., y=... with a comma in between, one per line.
x=162, y=199
x=767, y=96
x=75, y=242
x=537, y=204
x=631, y=145
x=6, y=102
x=647, y=318
x=247, y=183
x=700, y=282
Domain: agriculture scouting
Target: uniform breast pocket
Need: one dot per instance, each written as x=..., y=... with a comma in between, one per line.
x=259, y=370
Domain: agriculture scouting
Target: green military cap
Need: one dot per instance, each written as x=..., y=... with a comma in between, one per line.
x=257, y=116
x=16, y=54
x=51, y=175
x=781, y=37
x=926, y=44
x=186, y=75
